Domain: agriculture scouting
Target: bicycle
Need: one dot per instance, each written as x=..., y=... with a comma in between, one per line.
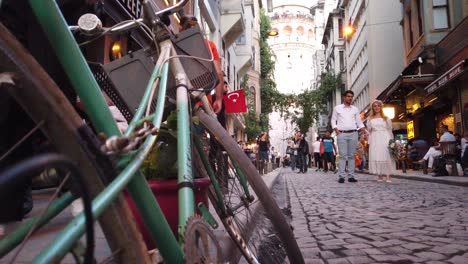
x=52, y=112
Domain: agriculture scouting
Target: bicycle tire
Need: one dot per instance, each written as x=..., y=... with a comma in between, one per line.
x=43, y=101
x=273, y=213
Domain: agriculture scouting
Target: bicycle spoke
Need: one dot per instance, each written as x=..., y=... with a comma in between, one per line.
x=23, y=139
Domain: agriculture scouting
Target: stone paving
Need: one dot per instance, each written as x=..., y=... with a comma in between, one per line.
x=376, y=222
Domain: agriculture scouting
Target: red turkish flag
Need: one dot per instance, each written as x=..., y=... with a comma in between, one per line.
x=235, y=102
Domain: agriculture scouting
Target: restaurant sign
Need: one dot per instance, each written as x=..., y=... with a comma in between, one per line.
x=410, y=129
x=446, y=77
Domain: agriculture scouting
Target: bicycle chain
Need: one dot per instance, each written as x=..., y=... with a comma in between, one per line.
x=122, y=144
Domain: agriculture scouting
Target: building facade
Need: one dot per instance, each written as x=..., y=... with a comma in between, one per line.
x=295, y=67
x=335, y=58
x=370, y=51
x=432, y=85
x=235, y=27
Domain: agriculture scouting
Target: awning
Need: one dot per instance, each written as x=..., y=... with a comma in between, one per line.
x=445, y=78
x=419, y=79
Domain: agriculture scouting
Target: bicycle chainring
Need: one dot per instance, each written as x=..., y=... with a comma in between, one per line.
x=201, y=244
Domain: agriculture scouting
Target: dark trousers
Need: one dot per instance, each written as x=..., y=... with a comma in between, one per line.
x=303, y=162
x=318, y=160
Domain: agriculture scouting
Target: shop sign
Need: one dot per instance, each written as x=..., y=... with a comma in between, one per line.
x=134, y=7
x=410, y=129
x=446, y=77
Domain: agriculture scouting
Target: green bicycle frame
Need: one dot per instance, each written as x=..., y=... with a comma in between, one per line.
x=74, y=64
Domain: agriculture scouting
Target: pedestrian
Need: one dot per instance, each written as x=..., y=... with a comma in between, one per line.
x=293, y=151
x=263, y=146
x=328, y=152
x=297, y=141
x=360, y=152
x=278, y=158
x=317, y=155
x=286, y=160
x=303, y=152
x=272, y=155
x=346, y=121
x=463, y=144
x=380, y=132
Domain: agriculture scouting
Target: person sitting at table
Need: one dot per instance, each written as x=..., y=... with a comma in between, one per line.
x=434, y=151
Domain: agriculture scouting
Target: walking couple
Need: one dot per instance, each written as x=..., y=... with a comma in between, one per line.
x=299, y=148
x=347, y=124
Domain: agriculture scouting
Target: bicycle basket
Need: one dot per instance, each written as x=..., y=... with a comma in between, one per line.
x=202, y=74
x=125, y=80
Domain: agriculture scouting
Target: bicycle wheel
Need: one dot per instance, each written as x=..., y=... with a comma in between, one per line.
x=63, y=128
x=272, y=240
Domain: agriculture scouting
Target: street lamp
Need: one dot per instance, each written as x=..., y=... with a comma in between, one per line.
x=348, y=31
x=273, y=33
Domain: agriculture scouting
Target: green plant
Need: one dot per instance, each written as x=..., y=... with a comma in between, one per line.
x=161, y=163
x=271, y=98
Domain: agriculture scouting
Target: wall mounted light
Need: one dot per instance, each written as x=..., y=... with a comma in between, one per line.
x=273, y=33
x=116, y=50
x=389, y=112
x=348, y=31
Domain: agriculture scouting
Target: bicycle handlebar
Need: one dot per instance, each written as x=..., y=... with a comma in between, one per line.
x=90, y=24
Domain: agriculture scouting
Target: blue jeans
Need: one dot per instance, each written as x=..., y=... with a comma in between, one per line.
x=363, y=162
x=347, y=143
x=303, y=160
x=293, y=162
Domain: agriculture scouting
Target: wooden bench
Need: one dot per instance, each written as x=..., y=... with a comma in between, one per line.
x=449, y=152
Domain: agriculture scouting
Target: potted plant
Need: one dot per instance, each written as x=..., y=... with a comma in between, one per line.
x=160, y=170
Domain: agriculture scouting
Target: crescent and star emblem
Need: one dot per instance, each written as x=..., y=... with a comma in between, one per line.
x=235, y=95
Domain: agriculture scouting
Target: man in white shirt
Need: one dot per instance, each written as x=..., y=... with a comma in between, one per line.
x=346, y=122
x=434, y=152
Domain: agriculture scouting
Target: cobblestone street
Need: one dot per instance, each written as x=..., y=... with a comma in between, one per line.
x=376, y=222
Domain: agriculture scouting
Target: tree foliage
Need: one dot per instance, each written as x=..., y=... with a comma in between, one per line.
x=303, y=109
x=269, y=95
x=314, y=102
x=268, y=92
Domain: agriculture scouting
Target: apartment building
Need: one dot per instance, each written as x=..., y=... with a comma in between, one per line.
x=371, y=60
x=433, y=84
x=335, y=57
x=234, y=26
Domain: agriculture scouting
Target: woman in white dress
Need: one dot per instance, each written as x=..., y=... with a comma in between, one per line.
x=380, y=132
